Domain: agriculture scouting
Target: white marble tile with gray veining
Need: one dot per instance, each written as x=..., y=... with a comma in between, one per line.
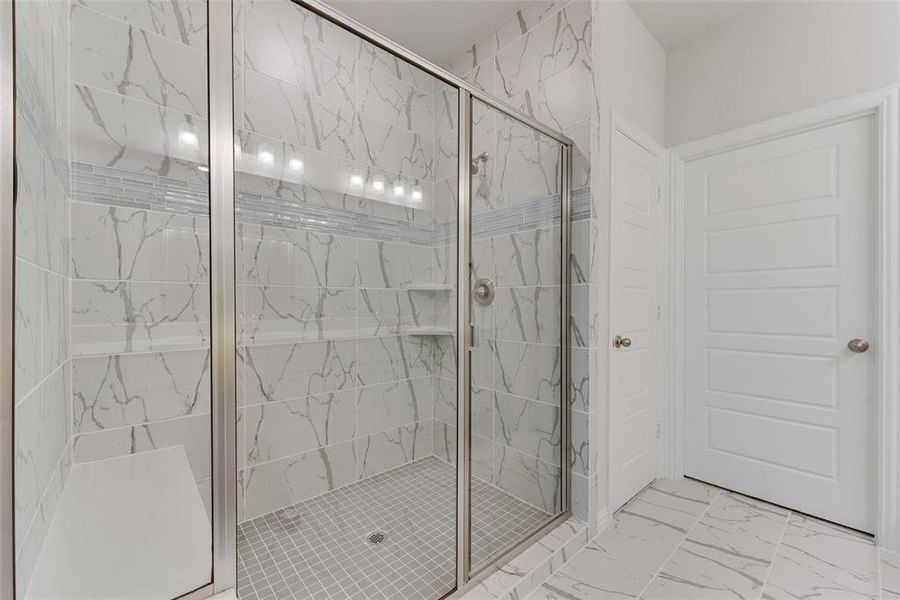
x=131, y=389
x=386, y=406
x=525, y=19
x=280, y=313
x=276, y=484
x=28, y=338
x=131, y=316
x=528, y=314
x=523, y=175
x=110, y=54
x=55, y=312
x=117, y=243
x=562, y=100
x=531, y=427
x=116, y=131
x=284, y=371
x=549, y=48
x=527, y=478
x=282, y=256
x=446, y=108
x=391, y=311
x=445, y=394
x=192, y=433
x=580, y=440
x=42, y=414
x=282, y=111
x=30, y=545
x=280, y=429
x=184, y=22
x=726, y=554
x=444, y=441
x=816, y=558
x=890, y=575
x=387, y=450
x=528, y=370
x=291, y=44
x=389, y=63
x=580, y=382
x=395, y=149
x=292, y=183
x=391, y=358
x=391, y=100
x=528, y=257
x=42, y=214
x=622, y=560
x=388, y=265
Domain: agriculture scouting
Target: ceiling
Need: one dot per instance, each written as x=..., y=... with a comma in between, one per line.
x=451, y=25
x=673, y=22
x=454, y=25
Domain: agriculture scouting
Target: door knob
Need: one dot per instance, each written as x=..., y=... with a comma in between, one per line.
x=858, y=345
x=620, y=342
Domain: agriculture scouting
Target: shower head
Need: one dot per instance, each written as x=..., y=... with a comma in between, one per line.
x=481, y=158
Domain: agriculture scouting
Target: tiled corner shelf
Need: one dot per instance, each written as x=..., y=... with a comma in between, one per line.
x=429, y=287
x=432, y=331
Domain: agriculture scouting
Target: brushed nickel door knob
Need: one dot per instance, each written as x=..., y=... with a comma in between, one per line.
x=620, y=342
x=857, y=345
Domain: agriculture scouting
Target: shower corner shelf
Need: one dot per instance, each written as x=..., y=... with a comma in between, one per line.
x=428, y=287
x=429, y=331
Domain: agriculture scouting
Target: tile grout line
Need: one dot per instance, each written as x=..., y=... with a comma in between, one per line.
x=880, y=589
x=678, y=545
x=787, y=520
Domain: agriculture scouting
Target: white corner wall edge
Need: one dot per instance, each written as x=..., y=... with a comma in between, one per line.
x=885, y=105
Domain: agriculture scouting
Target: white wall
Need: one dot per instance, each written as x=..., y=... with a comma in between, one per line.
x=631, y=68
x=778, y=59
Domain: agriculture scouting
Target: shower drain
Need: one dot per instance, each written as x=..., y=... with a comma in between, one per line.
x=376, y=537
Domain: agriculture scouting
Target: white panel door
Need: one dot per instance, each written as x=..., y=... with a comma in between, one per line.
x=780, y=243
x=633, y=412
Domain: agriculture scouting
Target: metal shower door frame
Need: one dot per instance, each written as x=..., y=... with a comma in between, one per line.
x=223, y=312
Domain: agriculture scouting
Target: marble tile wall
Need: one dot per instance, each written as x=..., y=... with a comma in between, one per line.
x=140, y=322
x=42, y=355
x=337, y=379
x=538, y=60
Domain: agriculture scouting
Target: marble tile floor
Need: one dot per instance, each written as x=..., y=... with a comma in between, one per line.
x=684, y=539
x=318, y=548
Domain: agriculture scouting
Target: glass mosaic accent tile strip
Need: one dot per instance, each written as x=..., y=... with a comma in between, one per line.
x=319, y=548
x=121, y=187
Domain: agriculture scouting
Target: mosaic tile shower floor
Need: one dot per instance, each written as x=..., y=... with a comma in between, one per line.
x=318, y=548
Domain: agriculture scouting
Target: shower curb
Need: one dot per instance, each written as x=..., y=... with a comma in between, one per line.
x=522, y=575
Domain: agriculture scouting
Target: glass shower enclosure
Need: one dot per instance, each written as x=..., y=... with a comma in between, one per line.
x=283, y=308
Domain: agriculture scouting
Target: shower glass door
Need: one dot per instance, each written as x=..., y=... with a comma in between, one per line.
x=112, y=403
x=345, y=194
x=518, y=425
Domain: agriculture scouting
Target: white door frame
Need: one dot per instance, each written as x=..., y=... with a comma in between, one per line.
x=884, y=105
x=620, y=124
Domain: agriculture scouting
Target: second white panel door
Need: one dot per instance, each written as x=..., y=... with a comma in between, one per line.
x=779, y=276
x=633, y=414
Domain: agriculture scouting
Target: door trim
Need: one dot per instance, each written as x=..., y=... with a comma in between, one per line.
x=884, y=105
x=620, y=124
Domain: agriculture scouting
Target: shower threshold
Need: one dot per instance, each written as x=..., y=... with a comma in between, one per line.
x=320, y=549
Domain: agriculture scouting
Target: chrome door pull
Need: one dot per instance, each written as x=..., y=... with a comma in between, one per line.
x=620, y=342
x=858, y=345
